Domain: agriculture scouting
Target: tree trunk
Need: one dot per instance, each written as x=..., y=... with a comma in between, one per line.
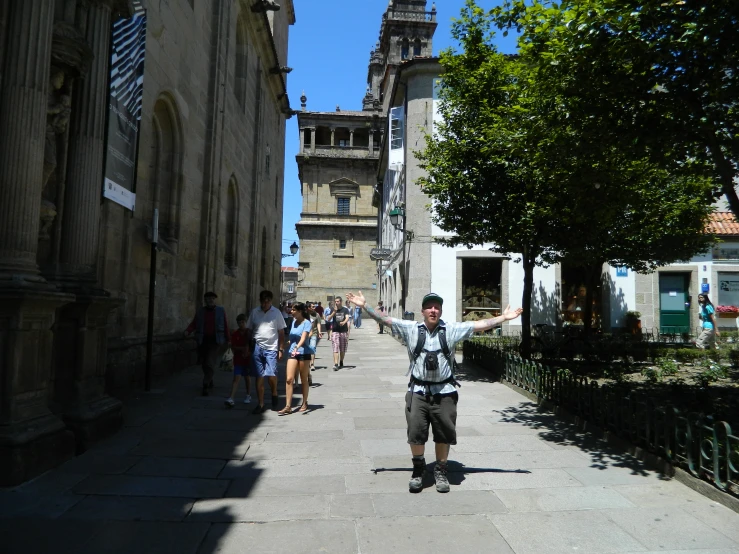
x=592, y=278
x=528, y=287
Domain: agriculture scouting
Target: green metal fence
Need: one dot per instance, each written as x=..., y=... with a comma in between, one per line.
x=695, y=442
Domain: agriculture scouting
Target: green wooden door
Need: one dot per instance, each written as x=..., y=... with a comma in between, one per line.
x=674, y=311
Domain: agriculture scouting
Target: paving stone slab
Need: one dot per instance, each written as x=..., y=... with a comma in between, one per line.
x=564, y=533
x=187, y=449
x=27, y=536
x=562, y=499
x=259, y=485
x=296, y=468
x=460, y=503
x=301, y=450
x=718, y=518
x=513, y=479
x=263, y=508
x=307, y=436
x=385, y=447
x=529, y=459
x=329, y=536
x=508, y=443
x=92, y=462
x=470, y=534
x=131, y=508
x=351, y=506
x=178, y=467
x=669, y=528
x=612, y=475
x=133, y=485
x=146, y=537
x=664, y=493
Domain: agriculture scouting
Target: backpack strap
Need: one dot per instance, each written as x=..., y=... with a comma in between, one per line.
x=419, y=345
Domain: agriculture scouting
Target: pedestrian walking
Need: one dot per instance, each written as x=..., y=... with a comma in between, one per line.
x=211, y=332
x=298, y=354
x=432, y=396
x=382, y=312
x=709, y=328
x=357, y=317
x=316, y=334
x=340, y=332
x=267, y=331
x=240, y=348
x=329, y=319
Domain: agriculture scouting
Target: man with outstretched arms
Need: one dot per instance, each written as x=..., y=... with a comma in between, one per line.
x=432, y=395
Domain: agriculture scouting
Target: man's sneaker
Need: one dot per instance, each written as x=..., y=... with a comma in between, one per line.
x=229, y=402
x=258, y=410
x=247, y=400
x=341, y=364
x=336, y=367
x=442, y=483
x=205, y=390
x=275, y=400
x=416, y=482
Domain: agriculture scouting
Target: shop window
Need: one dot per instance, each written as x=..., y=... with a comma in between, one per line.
x=728, y=293
x=481, y=278
x=575, y=282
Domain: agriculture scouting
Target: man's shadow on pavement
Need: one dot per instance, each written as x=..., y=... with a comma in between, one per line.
x=456, y=472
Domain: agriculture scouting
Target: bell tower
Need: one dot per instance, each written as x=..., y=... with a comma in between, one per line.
x=406, y=32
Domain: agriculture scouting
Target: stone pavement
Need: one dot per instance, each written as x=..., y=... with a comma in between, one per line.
x=188, y=476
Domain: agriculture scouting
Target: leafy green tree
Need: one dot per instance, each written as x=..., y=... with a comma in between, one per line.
x=660, y=77
x=510, y=165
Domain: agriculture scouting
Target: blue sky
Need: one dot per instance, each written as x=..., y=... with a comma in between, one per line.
x=329, y=52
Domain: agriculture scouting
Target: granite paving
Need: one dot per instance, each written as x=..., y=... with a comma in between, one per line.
x=187, y=475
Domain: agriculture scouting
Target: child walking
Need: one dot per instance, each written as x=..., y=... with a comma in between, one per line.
x=240, y=348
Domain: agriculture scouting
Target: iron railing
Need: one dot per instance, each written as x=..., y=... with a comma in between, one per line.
x=407, y=15
x=706, y=448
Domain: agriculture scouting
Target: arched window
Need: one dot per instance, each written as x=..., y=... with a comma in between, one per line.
x=242, y=50
x=232, y=226
x=167, y=162
x=263, y=269
x=417, y=47
x=404, y=49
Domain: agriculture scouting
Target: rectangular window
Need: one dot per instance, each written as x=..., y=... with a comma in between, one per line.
x=290, y=288
x=344, y=143
x=342, y=206
x=342, y=245
x=396, y=128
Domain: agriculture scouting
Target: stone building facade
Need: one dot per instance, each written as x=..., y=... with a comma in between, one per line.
x=338, y=224
x=74, y=268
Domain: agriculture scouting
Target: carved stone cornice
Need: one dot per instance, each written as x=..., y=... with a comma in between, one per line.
x=69, y=50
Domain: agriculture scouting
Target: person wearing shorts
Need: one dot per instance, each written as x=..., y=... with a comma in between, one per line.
x=298, y=354
x=432, y=397
x=267, y=331
x=240, y=348
x=340, y=332
x=329, y=322
x=315, y=335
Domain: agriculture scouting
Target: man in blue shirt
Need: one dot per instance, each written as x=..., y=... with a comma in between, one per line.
x=432, y=397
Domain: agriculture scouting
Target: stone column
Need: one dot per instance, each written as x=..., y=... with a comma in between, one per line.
x=81, y=221
x=372, y=144
x=333, y=134
x=313, y=140
x=302, y=140
x=79, y=381
x=351, y=138
x=23, y=102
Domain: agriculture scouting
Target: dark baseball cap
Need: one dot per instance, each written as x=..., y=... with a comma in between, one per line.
x=210, y=293
x=432, y=296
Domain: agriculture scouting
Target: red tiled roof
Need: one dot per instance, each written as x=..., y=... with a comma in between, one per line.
x=723, y=223
x=287, y=268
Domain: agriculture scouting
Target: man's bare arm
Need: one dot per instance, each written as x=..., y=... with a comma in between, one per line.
x=507, y=315
x=379, y=318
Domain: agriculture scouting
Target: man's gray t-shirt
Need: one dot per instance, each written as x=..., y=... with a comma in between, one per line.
x=455, y=332
x=341, y=320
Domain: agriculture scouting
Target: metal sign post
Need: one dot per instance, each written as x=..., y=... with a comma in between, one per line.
x=152, y=296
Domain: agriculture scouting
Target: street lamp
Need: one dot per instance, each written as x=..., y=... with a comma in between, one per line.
x=293, y=250
x=396, y=216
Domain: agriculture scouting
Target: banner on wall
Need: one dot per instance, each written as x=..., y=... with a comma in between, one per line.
x=128, y=48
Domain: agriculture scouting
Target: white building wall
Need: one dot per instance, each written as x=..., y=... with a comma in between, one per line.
x=545, y=291
x=622, y=295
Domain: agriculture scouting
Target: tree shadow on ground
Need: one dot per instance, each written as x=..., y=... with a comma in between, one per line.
x=562, y=434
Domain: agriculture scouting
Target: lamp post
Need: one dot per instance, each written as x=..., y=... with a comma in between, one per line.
x=293, y=250
x=398, y=217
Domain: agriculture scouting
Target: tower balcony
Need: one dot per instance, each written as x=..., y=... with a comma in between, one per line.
x=407, y=15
